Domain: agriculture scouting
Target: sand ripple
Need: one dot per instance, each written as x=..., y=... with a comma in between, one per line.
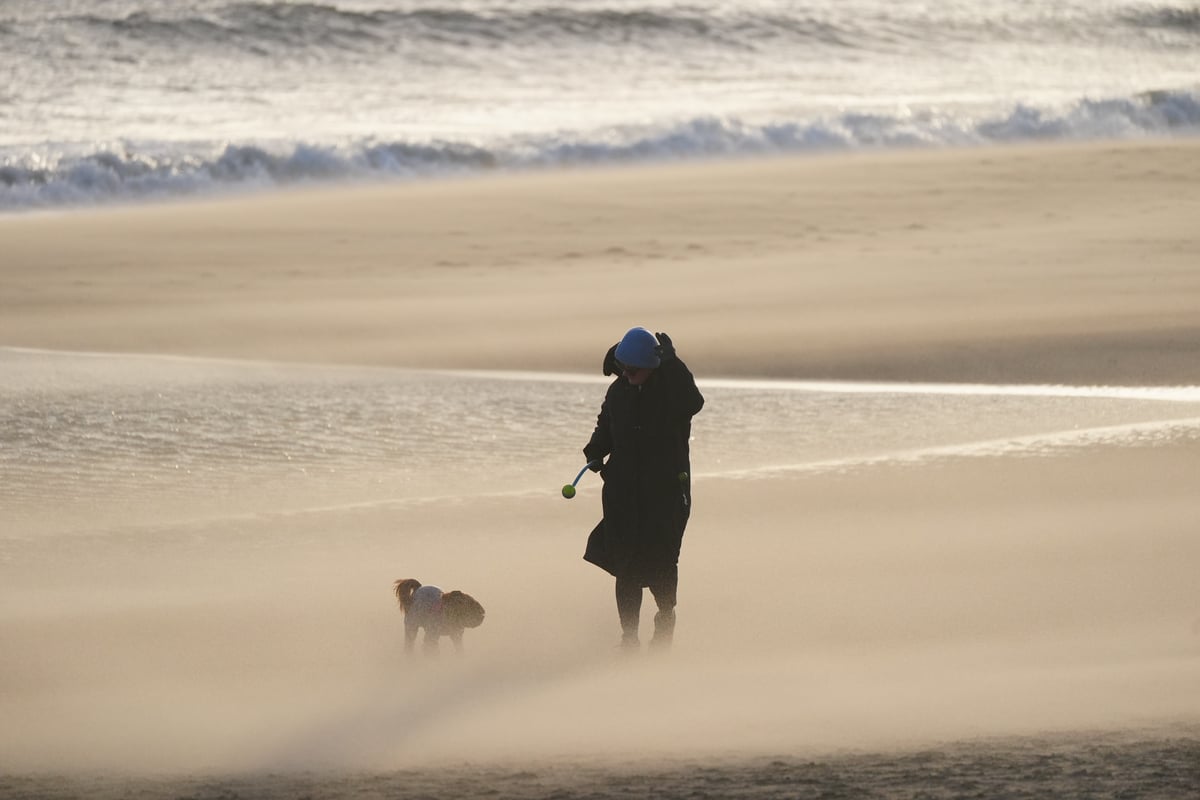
x=1097, y=766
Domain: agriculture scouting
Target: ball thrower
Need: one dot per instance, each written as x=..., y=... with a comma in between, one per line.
x=568, y=491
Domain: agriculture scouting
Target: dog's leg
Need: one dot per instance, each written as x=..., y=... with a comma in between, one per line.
x=456, y=635
x=410, y=635
x=431, y=642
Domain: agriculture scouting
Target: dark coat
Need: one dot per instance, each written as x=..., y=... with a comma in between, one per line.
x=644, y=432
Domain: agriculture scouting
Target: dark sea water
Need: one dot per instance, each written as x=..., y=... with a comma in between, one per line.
x=1162, y=765
x=117, y=100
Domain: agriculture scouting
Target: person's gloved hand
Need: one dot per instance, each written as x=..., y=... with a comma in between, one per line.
x=610, y=361
x=665, y=349
x=596, y=465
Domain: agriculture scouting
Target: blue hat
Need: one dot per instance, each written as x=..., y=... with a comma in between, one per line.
x=637, y=349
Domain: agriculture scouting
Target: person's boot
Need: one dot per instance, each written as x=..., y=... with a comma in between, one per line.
x=629, y=642
x=664, y=630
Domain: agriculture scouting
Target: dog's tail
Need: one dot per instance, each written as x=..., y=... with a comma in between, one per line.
x=404, y=590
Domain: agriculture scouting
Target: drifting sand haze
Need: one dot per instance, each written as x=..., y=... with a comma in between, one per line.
x=891, y=607
x=1043, y=264
x=884, y=606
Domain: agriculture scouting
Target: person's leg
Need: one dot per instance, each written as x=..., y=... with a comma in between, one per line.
x=629, y=609
x=665, y=589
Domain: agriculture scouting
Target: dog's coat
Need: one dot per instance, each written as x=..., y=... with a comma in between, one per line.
x=438, y=613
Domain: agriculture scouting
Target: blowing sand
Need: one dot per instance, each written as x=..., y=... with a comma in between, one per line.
x=1051, y=264
x=886, y=605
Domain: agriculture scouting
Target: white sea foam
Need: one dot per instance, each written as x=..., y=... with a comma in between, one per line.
x=53, y=175
x=144, y=100
x=1039, y=444
x=1180, y=394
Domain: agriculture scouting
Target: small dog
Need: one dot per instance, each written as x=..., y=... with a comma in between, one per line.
x=440, y=614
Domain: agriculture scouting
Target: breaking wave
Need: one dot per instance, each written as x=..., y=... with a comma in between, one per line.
x=130, y=171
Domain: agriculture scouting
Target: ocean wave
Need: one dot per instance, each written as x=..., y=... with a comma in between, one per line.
x=128, y=172
x=274, y=29
x=1166, y=18
x=255, y=29
x=137, y=171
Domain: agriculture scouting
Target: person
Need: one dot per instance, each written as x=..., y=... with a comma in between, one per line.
x=643, y=430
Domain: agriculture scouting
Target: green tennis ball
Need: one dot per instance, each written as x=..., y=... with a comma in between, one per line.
x=568, y=491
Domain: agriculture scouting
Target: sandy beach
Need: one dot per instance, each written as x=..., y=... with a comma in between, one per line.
x=1062, y=263
x=887, y=605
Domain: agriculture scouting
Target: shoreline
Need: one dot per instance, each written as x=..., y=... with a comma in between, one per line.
x=1017, y=264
